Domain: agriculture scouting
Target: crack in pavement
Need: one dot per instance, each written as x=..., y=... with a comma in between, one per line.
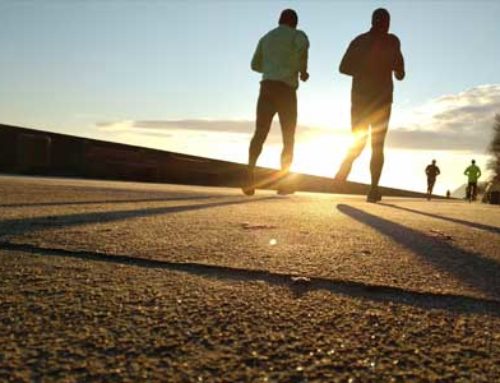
x=381, y=293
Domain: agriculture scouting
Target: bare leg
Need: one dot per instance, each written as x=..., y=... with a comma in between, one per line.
x=378, y=133
x=353, y=153
x=359, y=124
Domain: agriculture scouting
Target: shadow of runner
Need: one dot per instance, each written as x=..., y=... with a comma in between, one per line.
x=90, y=202
x=23, y=225
x=475, y=225
x=377, y=293
x=472, y=268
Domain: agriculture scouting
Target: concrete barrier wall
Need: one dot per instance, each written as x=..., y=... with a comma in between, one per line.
x=35, y=152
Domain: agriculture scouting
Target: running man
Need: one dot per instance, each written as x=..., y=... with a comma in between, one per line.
x=281, y=56
x=432, y=172
x=371, y=59
x=473, y=173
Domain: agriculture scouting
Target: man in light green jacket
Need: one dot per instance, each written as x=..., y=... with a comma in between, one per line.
x=281, y=56
x=473, y=173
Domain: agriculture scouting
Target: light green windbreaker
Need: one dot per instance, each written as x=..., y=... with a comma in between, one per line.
x=473, y=172
x=281, y=55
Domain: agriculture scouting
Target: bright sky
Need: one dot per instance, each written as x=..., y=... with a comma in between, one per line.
x=175, y=75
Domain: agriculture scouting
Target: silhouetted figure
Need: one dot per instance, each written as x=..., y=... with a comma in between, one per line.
x=371, y=59
x=448, y=194
x=281, y=56
x=473, y=173
x=432, y=172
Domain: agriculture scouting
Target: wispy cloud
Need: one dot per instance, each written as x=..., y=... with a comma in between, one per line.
x=228, y=126
x=165, y=127
x=459, y=121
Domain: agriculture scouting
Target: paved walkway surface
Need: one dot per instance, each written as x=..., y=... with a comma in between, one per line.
x=114, y=281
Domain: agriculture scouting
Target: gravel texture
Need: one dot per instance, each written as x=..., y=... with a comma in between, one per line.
x=113, y=281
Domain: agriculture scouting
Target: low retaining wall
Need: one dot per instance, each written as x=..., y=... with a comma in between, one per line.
x=35, y=152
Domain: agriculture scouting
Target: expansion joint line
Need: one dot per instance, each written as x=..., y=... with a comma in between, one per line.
x=298, y=284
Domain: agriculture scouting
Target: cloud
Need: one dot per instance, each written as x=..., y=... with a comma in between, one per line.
x=459, y=121
x=165, y=127
x=228, y=126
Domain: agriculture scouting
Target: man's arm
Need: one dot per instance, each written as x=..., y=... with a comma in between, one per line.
x=399, y=62
x=438, y=172
x=478, y=172
x=348, y=63
x=257, y=58
x=466, y=173
x=303, y=54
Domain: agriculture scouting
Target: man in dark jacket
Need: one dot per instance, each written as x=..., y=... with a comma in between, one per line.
x=371, y=59
x=432, y=171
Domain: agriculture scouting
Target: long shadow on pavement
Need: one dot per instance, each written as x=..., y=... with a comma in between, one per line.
x=115, y=201
x=378, y=293
x=23, y=225
x=475, y=225
x=472, y=268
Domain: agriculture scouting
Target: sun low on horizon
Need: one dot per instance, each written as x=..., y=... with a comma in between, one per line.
x=317, y=152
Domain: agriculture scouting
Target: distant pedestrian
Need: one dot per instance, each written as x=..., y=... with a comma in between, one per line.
x=448, y=194
x=371, y=59
x=473, y=173
x=432, y=172
x=281, y=56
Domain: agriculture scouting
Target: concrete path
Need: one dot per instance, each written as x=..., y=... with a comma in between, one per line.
x=115, y=281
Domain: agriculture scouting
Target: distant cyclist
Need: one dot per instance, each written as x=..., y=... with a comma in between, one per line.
x=473, y=173
x=432, y=172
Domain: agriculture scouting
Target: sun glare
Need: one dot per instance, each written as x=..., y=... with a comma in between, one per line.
x=321, y=154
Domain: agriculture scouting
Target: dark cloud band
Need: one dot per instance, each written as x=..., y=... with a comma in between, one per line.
x=461, y=121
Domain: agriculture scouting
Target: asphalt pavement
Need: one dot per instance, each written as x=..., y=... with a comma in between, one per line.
x=115, y=281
